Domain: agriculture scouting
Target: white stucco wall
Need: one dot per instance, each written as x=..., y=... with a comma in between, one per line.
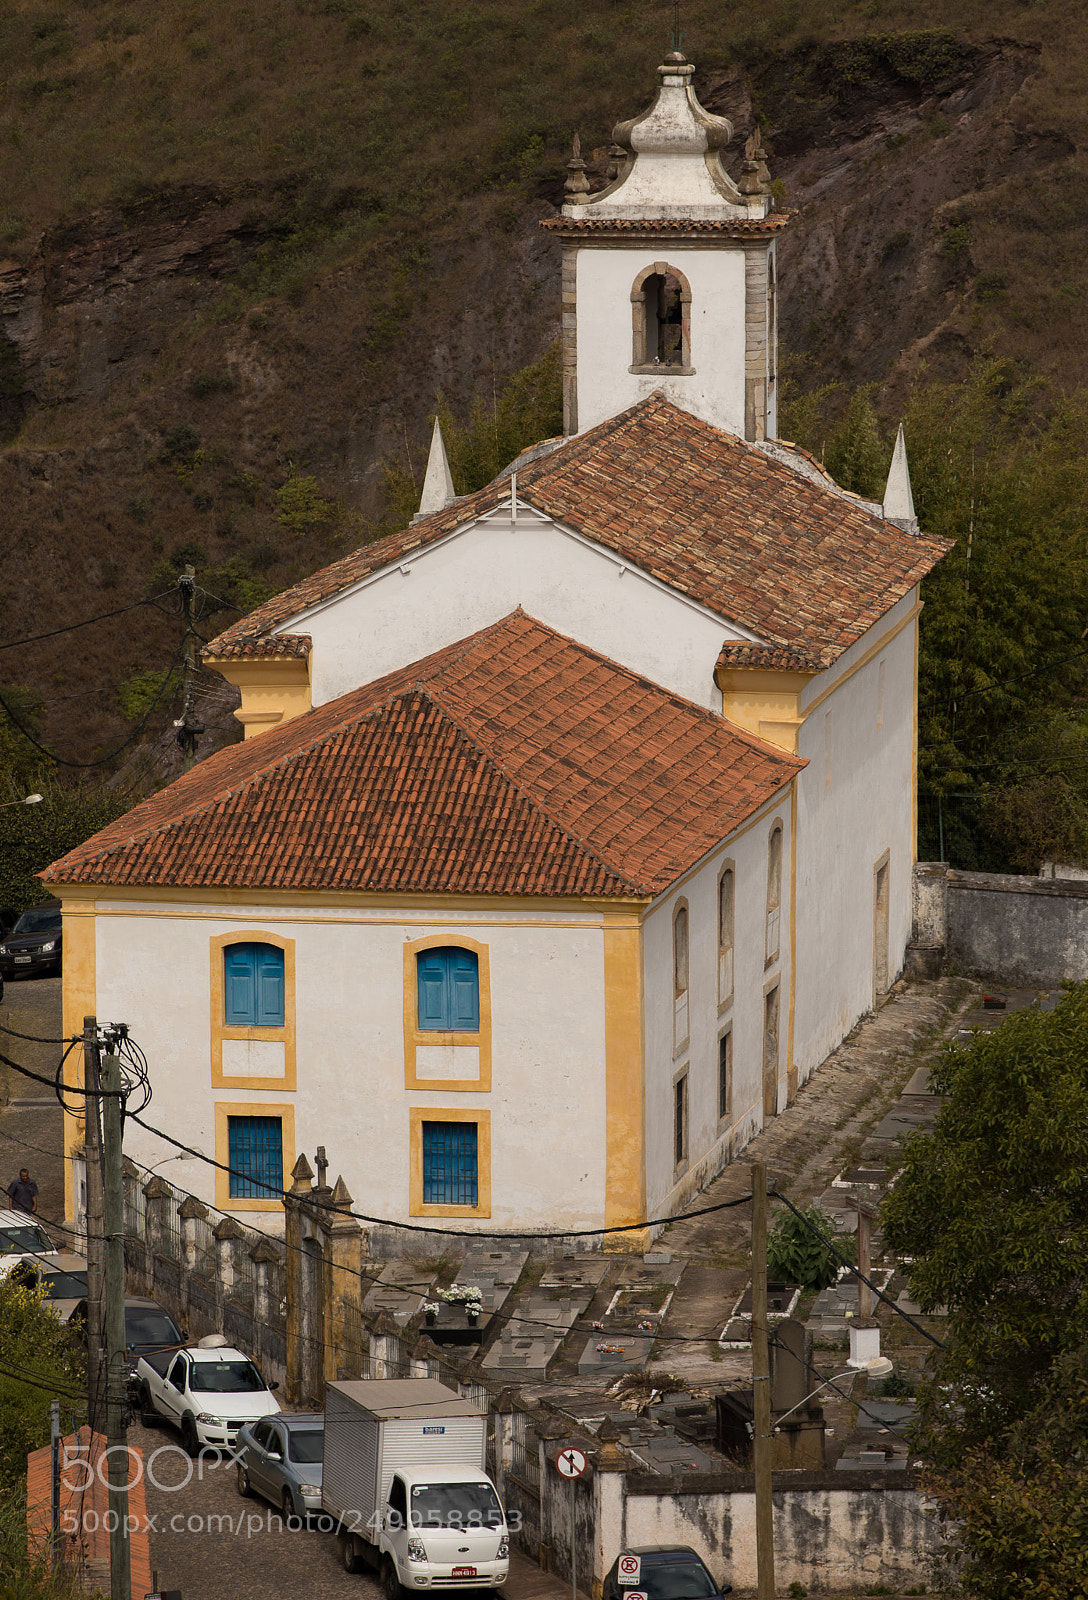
x=715, y=391
x=855, y=800
x=478, y=576
x=547, y=1101
x=711, y=1142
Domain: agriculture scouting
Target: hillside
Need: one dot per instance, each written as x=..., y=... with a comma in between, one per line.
x=243, y=249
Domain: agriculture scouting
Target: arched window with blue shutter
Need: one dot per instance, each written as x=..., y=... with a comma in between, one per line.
x=448, y=990
x=253, y=989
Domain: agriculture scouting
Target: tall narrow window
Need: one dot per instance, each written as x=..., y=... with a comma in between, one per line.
x=880, y=695
x=680, y=977
x=774, y=893
x=725, y=1075
x=252, y=986
x=680, y=1119
x=255, y=1157
x=770, y=1053
x=448, y=990
x=880, y=929
x=451, y=1174
x=725, y=936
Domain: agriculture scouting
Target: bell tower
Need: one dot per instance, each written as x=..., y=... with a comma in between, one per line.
x=669, y=272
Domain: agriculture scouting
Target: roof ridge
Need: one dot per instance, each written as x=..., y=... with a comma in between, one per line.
x=535, y=805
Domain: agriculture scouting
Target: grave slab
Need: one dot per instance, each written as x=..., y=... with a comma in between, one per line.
x=400, y=1291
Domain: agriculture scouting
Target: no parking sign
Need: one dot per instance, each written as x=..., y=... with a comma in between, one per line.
x=629, y=1572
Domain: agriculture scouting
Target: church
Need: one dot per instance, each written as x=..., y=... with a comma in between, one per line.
x=574, y=823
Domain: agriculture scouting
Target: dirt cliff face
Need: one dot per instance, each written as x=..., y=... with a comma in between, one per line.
x=921, y=193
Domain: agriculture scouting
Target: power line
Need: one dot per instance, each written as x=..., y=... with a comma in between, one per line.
x=36, y=638
x=837, y=1253
x=32, y=1038
x=970, y=694
x=102, y=760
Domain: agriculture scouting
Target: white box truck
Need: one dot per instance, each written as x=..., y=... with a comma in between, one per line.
x=404, y=1478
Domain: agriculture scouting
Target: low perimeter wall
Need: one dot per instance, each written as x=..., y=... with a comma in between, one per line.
x=1030, y=933
x=832, y=1530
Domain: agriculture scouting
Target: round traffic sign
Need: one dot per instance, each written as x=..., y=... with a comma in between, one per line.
x=630, y=1571
x=570, y=1462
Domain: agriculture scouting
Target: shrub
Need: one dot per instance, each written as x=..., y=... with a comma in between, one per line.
x=796, y=1254
x=205, y=383
x=301, y=504
x=182, y=442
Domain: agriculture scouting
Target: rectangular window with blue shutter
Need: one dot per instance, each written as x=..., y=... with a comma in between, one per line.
x=448, y=990
x=256, y=1157
x=450, y=1164
x=253, y=986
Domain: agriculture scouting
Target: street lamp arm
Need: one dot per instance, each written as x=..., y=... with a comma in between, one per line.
x=878, y=1367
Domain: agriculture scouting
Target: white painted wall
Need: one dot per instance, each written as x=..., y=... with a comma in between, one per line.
x=481, y=574
x=547, y=1101
x=855, y=800
x=606, y=387
x=712, y=1144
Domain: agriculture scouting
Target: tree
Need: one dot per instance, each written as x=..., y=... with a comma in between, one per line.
x=992, y=1205
x=40, y=1361
x=526, y=410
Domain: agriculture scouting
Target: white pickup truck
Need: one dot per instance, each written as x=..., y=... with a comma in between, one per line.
x=208, y=1391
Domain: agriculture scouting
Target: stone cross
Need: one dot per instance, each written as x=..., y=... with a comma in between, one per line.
x=322, y=1166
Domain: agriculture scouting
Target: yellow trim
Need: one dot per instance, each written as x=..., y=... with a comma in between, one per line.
x=79, y=999
x=274, y=690
x=224, y=1201
x=768, y=703
x=791, y=1065
x=863, y=661
x=244, y=903
x=220, y=1031
x=625, y=1117
x=417, y=1116
x=414, y=1036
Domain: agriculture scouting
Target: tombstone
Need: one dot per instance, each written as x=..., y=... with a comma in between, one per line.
x=789, y=1375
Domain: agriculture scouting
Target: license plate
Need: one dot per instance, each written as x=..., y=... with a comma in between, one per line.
x=22, y=961
x=464, y=1572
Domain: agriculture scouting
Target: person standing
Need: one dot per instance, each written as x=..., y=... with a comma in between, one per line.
x=23, y=1192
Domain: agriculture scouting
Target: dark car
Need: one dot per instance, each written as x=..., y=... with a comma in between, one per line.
x=147, y=1328
x=667, y=1572
x=34, y=944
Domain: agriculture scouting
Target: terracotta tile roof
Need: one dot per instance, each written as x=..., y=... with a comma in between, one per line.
x=742, y=226
x=277, y=644
x=708, y=514
x=515, y=762
x=770, y=657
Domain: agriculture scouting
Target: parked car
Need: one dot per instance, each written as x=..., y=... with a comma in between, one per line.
x=147, y=1328
x=64, y=1276
x=34, y=944
x=21, y=1237
x=208, y=1392
x=667, y=1572
x=280, y=1458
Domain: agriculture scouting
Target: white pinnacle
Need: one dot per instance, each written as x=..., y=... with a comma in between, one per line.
x=438, y=490
x=898, y=499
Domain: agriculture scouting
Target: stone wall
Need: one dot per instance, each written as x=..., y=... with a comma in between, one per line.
x=1027, y=932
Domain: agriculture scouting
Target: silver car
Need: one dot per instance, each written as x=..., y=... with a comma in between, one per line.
x=280, y=1459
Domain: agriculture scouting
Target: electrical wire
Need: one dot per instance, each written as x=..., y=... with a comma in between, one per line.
x=36, y=638
x=970, y=694
x=837, y=1253
x=453, y=1233
x=21, y=1376
x=32, y=1038
x=102, y=760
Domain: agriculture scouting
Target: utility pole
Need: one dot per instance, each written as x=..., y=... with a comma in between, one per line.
x=763, y=1439
x=188, y=726
x=865, y=1233
x=96, y=1224
x=114, y=1208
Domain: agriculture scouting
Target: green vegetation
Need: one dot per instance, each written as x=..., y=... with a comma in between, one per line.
x=141, y=693
x=993, y=1207
x=40, y=1363
x=526, y=410
x=999, y=464
x=795, y=1254
x=302, y=505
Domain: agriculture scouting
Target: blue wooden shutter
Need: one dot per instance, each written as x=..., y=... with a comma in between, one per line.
x=464, y=984
x=255, y=1146
x=450, y=1164
x=269, y=986
x=239, y=985
x=432, y=989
